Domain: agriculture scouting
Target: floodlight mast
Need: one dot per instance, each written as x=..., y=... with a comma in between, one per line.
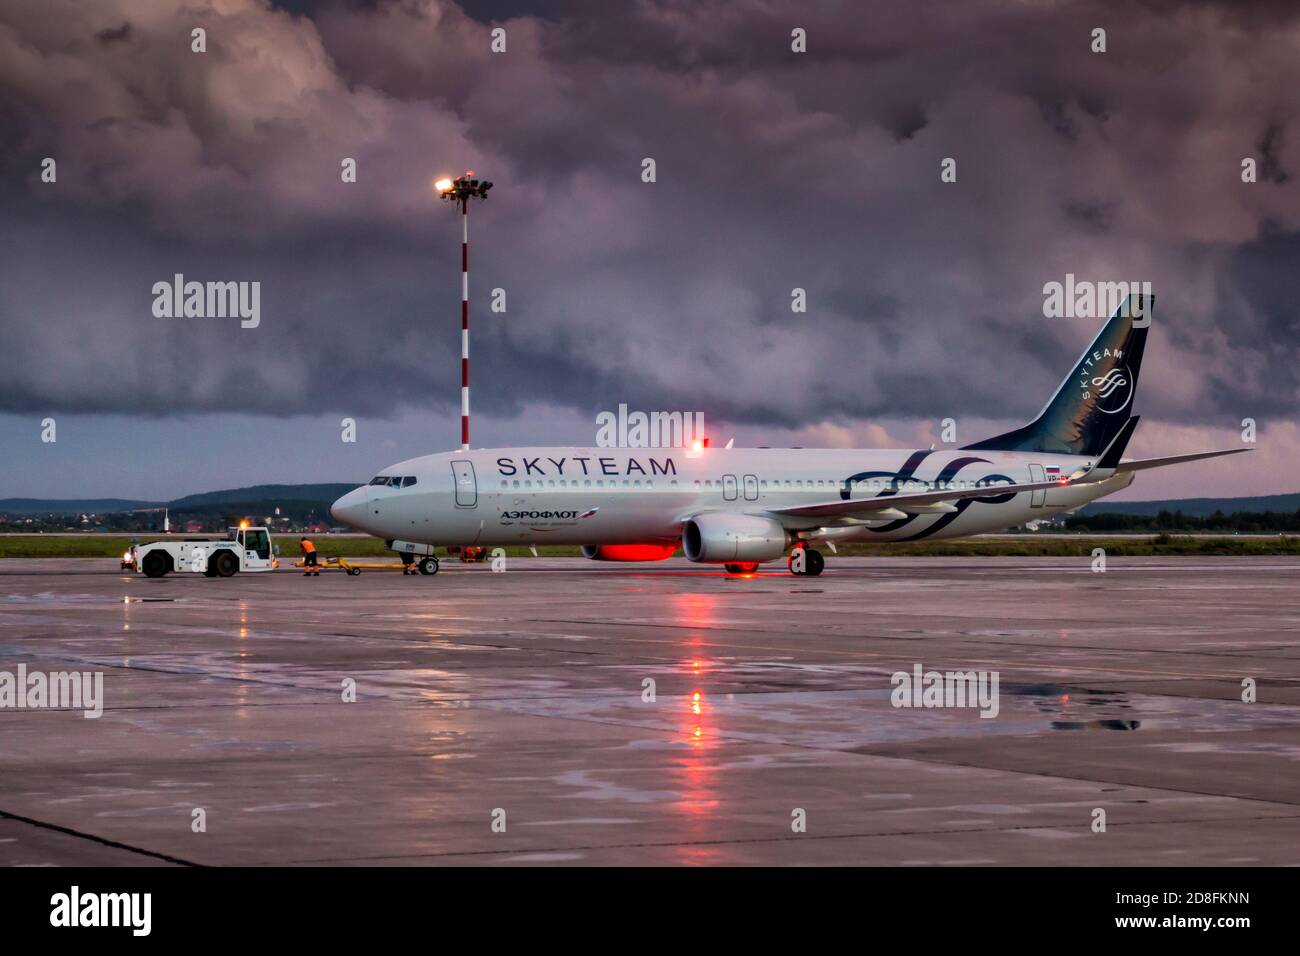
x=461, y=190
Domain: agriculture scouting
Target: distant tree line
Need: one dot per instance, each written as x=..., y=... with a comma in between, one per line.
x=294, y=515
x=1242, y=522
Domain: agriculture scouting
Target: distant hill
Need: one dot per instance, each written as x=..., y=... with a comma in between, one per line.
x=27, y=506
x=328, y=493
x=261, y=496
x=1199, y=507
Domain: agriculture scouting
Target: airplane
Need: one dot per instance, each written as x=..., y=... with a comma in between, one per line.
x=741, y=507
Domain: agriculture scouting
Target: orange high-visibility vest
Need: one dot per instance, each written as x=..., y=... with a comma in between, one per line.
x=308, y=547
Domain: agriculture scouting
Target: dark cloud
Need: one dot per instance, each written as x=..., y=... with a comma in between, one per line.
x=776, y=170
x=114, y=35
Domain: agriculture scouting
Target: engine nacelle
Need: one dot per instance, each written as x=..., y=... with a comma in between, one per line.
x=628, y=552
x=722, y=538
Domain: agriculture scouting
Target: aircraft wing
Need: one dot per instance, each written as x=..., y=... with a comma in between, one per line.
x=925, y=501
x=1142, y=464
x=1110, y=458
x=863, y=507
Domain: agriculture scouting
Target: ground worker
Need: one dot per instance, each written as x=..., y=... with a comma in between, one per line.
x=408, y=562
x=309, y=565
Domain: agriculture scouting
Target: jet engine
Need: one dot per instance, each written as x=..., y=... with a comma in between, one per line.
x=628, y=552
x=722, y=538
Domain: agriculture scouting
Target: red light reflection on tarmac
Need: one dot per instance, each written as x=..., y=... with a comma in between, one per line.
x=695, y=770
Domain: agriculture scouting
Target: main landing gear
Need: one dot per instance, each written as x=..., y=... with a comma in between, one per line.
x=806, y=560
x=746, y=567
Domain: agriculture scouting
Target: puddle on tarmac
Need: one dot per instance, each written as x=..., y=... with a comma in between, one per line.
x=1113, y=710
x=852, y=719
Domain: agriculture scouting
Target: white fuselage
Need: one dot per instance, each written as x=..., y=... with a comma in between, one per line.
x=604, y=496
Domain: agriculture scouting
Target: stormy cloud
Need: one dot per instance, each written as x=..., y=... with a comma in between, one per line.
x=775, y=170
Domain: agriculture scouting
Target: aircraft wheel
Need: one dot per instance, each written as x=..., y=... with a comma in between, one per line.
x=428, y=565
x=814, y=563
x=747, y=567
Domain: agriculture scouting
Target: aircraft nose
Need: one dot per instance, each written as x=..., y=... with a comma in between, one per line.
x=351, y=508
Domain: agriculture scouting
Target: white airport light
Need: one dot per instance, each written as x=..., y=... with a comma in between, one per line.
x=461, y=190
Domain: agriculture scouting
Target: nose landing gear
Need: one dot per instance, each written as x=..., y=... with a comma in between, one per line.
x=806, y=560
x=428, y=565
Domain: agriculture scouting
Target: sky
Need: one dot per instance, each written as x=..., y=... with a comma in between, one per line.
x=774, y=170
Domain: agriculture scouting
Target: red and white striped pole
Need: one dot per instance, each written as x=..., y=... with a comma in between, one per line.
x=464, y=324
x=461, y=190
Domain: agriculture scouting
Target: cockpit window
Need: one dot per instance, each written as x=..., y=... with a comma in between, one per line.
x=379, y=480
x=408, y=481
x=395, y=482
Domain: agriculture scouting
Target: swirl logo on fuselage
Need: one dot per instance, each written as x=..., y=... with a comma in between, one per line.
x=897, y=479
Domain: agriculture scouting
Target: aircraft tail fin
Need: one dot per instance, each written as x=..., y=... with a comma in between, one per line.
x=1091, y=407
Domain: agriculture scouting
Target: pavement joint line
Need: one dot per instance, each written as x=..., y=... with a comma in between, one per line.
x=739, y=737
x=871, y=654
x=1066, y=776
x=792, y=838
x=103, y=841
x=1055, y=680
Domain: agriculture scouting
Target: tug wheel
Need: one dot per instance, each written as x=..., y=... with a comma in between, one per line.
x=225, y=563
x=155, y=564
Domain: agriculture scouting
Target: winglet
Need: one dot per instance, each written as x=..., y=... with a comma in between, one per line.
x=1115, y=450
x=1106, y=465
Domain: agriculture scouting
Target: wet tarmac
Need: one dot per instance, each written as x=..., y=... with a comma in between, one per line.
x=570, y=712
